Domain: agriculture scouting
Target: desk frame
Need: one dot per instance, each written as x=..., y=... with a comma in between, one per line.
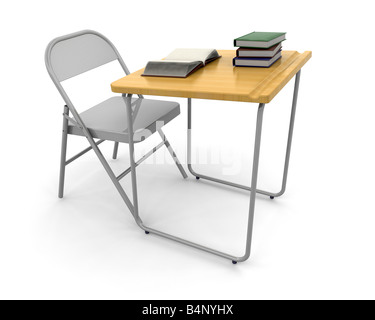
x=253, y=188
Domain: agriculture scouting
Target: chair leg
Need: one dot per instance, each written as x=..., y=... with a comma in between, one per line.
x=115, y=150
x=64, y=142
x=173, y=154
x=129, y=114
x=105, y=164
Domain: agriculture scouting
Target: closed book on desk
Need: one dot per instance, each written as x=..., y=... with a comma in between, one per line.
x=180, y=63
x=256, y=62
x=267, y=53
x=259, y=39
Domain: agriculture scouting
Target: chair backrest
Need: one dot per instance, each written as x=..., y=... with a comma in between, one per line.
x=76, y=53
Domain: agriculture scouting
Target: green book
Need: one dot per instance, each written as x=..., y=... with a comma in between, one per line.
x=259, y=39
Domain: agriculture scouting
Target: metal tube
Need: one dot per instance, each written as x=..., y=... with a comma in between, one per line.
x=72, y=121
x=101, y=158
x=204, y=177
x=85, y=130
x=189, y=134
x=290, y=134
x=82, y=153
x=128, y=100
x=252, y=203
x=287, y=154
x=254, y=178
x=64, y=141
x=115, y=150
x=173, y=154
x=148, y=154
x=191, y=244
x=231, y=184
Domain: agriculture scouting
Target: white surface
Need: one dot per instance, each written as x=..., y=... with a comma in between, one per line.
x=317, y=241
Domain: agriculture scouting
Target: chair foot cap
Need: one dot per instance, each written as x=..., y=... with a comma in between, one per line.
x=146, y=232
x=272, y=197
x=234, y=262
x=197, y=178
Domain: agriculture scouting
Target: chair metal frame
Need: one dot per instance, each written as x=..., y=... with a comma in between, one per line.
x=133, y=207
x=77, y=121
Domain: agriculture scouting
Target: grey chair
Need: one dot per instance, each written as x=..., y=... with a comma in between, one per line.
x=74, y=54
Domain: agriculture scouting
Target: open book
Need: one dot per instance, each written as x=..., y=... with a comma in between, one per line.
x=180, y=63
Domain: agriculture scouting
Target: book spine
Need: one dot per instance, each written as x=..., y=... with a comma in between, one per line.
x=252, y=66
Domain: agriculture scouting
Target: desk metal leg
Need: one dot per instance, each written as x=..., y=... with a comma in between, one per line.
x=290, y=135
x=183, y=241
x=287, y=155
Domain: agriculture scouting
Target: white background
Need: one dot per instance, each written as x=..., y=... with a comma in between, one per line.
x=315, y=242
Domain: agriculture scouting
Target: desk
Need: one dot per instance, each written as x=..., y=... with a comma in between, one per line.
x=219, y=80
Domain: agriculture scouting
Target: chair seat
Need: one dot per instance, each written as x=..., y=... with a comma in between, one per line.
x=108, y=120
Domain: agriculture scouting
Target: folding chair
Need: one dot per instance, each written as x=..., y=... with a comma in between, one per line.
x=114, y=119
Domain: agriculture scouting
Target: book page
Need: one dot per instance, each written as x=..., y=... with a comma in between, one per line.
x=181, y=61
x=189, y=55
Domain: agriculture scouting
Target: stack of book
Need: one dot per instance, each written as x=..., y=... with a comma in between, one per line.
x=258, y=49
